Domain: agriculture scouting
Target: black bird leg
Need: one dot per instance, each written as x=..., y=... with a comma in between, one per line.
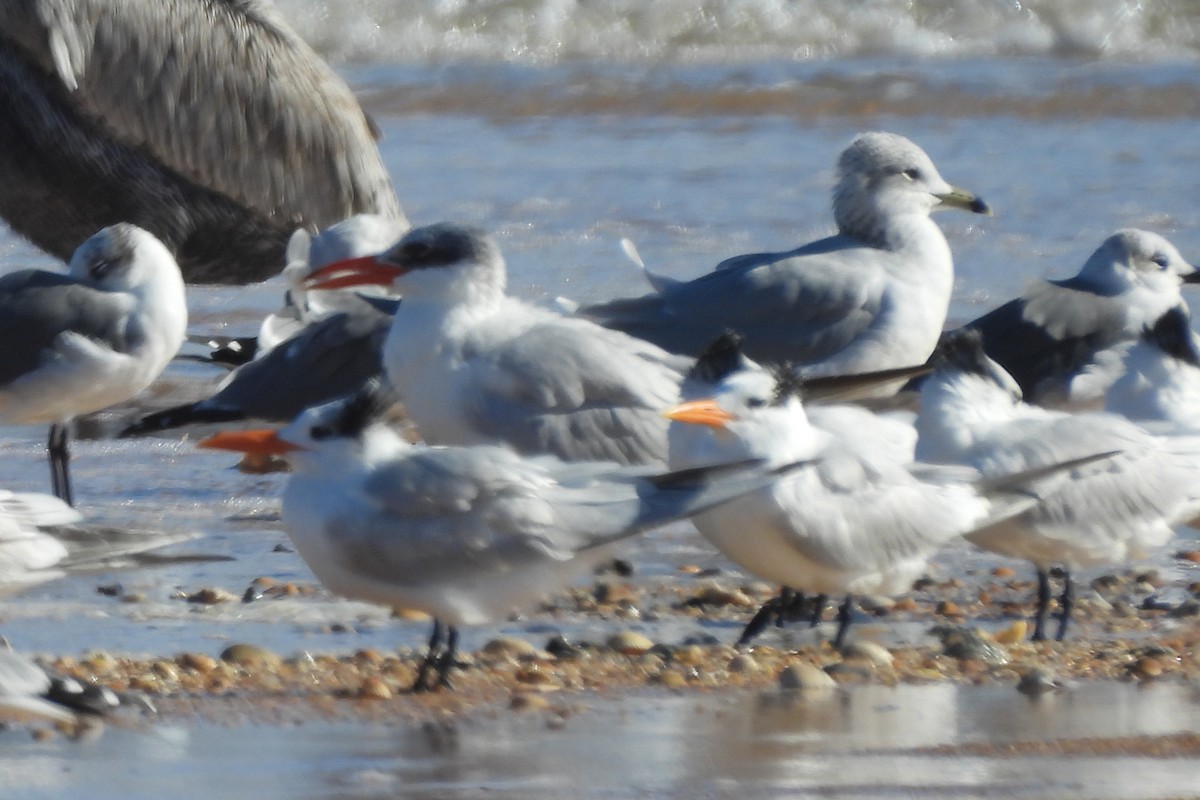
x=447, y=661
x=1043, y=605
x=818, y=610
x=60, y=458
x=843, y=620
x=1066, y=603
x=431, y=659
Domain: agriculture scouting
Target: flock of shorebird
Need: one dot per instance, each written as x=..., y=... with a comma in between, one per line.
x=740, y=400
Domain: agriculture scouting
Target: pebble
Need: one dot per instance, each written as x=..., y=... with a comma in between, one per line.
x=1188, y=608
x=210, y=597
x=374, y=688
x=877, y=604
x=197, y=662
x=743, y=664
x=948, y=608
x=508, y=647
x=1037, y=681
x=1189, y=555
x=713, y=595
x=970, y=644
x=1147, y=667
x=871, y=652
x=631, y=643
x=1003, y=572
x=1013, y=634
x=803, y=676
x=564, y=650
x=250, y=655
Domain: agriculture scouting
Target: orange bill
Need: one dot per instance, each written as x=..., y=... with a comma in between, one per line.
x=263, y=442
x=361, y=271
x=700, y=412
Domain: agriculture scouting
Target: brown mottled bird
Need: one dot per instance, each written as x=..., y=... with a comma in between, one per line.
x=209, y=123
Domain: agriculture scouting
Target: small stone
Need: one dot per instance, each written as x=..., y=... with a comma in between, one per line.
x=410, y=615
x=1003, y=572
x=257, y=589
x=110, y=590
x=196, y=662
x=534, y=675
x=905, y=604
x=970, y=644
x=508, y=647
x=210, y=597
x=713, y=595
x=564, y=650
x=1188, y=608
x=1013, y=634
x=691, y=569
x=1150, y=576
x=877, y=604
x=1037, y=681
x=690, y=654
x=614, y=593
x=871, y=652
x=631, y=643
x=1123, y=608
x=948, y=608
x=803, y=676
x=250, y=655
x=1189, y=555
x=374, y=688
x=672, y=680
x=1147, y=667
x=742, y=663
x=134, y=597
x=528, y=701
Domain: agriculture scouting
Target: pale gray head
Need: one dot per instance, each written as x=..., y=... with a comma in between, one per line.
x=884, y=175
x=359, y=235
x=121, y=257
x=1131, y=258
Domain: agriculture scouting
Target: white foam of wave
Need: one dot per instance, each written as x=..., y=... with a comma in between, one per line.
x=552, y=31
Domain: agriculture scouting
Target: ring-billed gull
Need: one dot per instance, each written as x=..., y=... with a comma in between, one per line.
x=873, y=296
x=81, y=342
x=972, y=414
x=465, y=534
x=476, y=366
x=1062, y=340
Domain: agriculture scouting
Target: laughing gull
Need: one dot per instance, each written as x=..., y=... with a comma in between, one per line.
x=475, y=366
x=972, y=414
x=81, y=342
x=1062, y=340
x=210, y=124
x=863, y=518
x=465, y=534
x=872, y=297
x=319, y=346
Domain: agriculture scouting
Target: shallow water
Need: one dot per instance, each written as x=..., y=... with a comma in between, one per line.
x=872, y=742
x=562, y=142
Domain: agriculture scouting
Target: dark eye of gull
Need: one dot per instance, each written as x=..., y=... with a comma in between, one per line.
x=319, y=432
x=100, y=268
x=912, y=173
x=1162, y=261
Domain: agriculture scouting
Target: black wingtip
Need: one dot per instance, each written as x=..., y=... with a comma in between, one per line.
x=178, y=417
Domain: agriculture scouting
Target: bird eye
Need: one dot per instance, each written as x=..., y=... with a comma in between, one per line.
x=756, y=402
x=416, y=250
x=319, y=432
x=912, y=173
x=1161, y=261
x=100, y=268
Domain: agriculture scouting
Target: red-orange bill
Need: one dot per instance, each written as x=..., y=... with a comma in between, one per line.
x=361, y=271
x=700, y=412
x=262, y=442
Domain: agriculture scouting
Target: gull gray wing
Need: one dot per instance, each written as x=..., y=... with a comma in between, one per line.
x=575, y=390
x=799, y=306
x=37, y=307
x=1051, y=333
x=327, y=359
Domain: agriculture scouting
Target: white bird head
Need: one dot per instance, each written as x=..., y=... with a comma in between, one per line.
x=882, y=176
x=124, y=258
x=1132, y=258
x=445, y=261
x=739, y=410
x=341, y=437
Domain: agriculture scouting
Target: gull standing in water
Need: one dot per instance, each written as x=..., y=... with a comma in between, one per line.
x=209, y=123
x=465, y=534
x=81, y=342
x=1062, y=340
x=475, y=366
x=1122, y=508
x=872, y=297
x=859, y=519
